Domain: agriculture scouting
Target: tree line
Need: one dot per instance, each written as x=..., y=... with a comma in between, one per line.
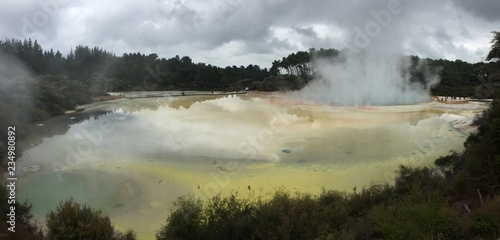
x=102, y=71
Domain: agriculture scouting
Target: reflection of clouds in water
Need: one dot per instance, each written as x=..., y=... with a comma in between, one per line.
x=231, y=103
x=219, y=127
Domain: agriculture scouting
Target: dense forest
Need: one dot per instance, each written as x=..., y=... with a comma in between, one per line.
x=456, y=199
x=100, y=71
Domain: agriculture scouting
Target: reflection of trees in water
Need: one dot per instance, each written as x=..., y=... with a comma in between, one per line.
x=34, y=133
x=188, y=102
x=59, y=125
x=137, y=105
x=92, y=115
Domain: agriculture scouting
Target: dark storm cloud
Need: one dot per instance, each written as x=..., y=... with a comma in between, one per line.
x=247, y=32
x=486, y=9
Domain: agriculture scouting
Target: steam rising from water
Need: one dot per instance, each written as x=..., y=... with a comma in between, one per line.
x=368, y=78
x=374, y=71
x=15, y=92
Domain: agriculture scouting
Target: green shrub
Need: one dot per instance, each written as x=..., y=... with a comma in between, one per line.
x=25, y=227
x=186, y=220
x=485, y=221
x=220, y=218
x=418, y=180
x=229, y=217
x=38, y=115
x=445, y=161
x=412, y=218
x=361, y=202
x=287, y=217
x=74, y=221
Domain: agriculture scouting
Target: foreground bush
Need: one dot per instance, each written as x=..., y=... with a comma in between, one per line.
x=74, y=221
x=416, y=207
x=220, y=218
x=415, y=218
x=284, y=216
x=484, y=222
x=25, y=227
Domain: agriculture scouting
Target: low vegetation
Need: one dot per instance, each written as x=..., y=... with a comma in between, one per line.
x=69, y=221
x=418, y=206
x=72, y=220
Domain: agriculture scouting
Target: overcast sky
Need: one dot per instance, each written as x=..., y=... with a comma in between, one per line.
x=237, y=32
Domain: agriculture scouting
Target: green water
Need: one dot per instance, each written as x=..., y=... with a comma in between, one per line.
x=45, y=190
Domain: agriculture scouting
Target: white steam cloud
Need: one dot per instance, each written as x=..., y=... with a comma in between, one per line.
x=368, y=79
x=372, y=70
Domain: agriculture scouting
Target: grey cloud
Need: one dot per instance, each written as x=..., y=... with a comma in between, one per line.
x=306, y=31
x=35, y=19
x=486, y=9
x=280, y=44
x=441, y=35
x=198, y=28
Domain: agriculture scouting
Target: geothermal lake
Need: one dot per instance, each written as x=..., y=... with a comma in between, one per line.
x=132, y=158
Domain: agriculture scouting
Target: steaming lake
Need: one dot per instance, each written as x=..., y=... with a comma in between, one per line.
x=133, y=157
